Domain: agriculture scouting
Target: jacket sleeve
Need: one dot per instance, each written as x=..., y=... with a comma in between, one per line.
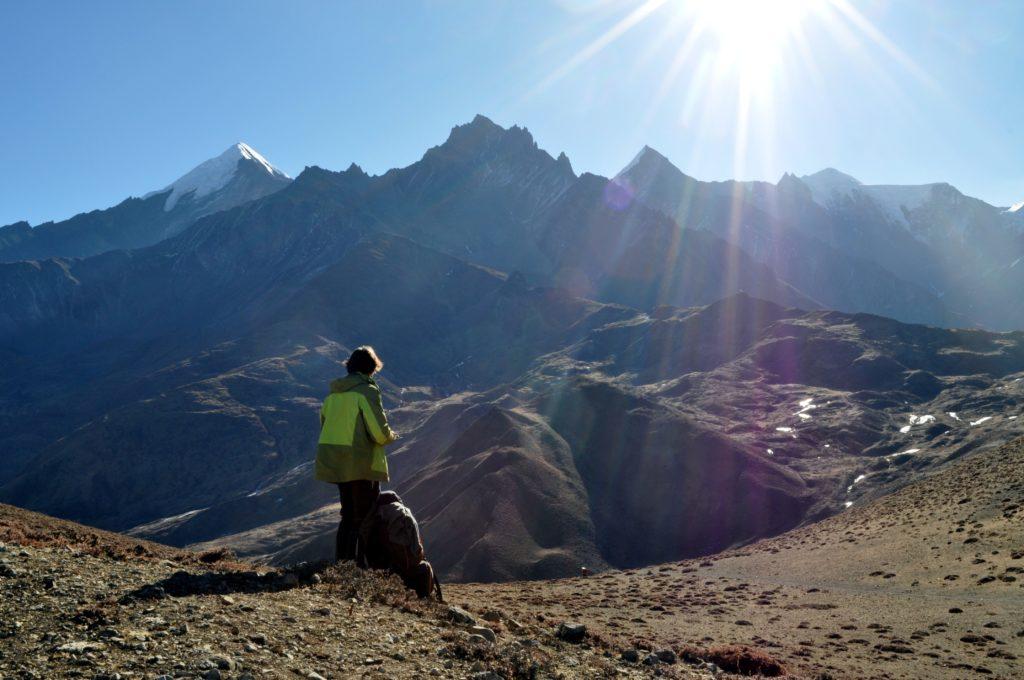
x=323, y=407
x=372, y=409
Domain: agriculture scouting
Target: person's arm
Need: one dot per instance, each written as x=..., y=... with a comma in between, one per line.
x=372, y=408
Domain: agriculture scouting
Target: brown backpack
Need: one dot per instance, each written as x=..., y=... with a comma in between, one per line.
x=390, y=539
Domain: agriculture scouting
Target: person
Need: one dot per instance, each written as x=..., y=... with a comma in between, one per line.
x=350, y=453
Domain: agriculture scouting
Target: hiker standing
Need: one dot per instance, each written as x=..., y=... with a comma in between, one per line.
x=353, y=433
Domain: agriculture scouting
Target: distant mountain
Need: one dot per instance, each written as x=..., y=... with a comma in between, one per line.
x=237, y=176
x=922, y=253
x=491, y=196
x=781, y=228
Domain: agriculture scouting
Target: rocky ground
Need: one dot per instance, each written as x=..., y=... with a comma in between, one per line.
x=925, y=583
x=83, y=603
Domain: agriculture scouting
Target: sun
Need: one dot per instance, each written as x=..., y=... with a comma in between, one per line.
x=728, y=71
x=752, y=37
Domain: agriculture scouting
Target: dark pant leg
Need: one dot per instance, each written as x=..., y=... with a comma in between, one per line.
x=341, y=543
x=357, y=497
x=364, y=494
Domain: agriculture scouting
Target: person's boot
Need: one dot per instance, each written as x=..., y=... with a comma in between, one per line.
x=339, y=544
x=345, y=545
x=350, y=545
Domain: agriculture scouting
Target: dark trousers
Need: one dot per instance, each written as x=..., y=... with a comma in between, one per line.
x=356, y=499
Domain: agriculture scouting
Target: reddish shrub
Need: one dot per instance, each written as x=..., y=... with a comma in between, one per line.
x=743, y=660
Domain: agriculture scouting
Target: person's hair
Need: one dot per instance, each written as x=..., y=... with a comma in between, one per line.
x=364, y=360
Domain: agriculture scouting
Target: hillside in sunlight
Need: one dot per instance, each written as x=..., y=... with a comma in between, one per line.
x=925, y=583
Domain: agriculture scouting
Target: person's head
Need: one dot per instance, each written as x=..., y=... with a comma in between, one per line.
x=364, y=360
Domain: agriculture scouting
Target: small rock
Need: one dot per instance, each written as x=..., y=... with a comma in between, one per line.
x=651, y=660
x=630, y=655
x=315, y=578
x=82, y=647
x=515, y=626
x=493, y=616
x=572, y=632
x=212, y=674
x=223, y=663
x=485, y=632
x=313, y=675
x=666, y=656
x=460, y=615
x=477, y=639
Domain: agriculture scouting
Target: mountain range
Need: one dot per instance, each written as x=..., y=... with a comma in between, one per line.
x=237, y=176
x=608, y=372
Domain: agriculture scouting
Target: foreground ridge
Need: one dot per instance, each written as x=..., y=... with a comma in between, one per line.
x=79, y=602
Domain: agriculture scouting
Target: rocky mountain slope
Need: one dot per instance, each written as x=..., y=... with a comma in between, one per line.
x=238, y=175
x=605, y=453
x=925, y=583
x=555, y=348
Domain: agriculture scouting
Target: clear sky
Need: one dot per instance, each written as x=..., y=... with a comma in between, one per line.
x=102, y=100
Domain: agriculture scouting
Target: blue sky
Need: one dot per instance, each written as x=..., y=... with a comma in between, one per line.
x=110, y=99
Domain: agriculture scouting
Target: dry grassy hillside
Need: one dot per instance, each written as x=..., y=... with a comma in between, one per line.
x=925, y=583
x=81, y=603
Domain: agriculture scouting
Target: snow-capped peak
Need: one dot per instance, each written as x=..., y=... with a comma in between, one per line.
x=828, y=183
x=252, y=154
x=647, y=158
x=1016, y=207
x=212, y=175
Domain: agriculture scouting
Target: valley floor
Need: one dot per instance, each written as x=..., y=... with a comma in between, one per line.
x=925, y=583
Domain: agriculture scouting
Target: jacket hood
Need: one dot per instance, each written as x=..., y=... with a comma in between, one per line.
x=350, y=381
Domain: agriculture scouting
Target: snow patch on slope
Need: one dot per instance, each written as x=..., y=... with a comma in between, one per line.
x=830, y=185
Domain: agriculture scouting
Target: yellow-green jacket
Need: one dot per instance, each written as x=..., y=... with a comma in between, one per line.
x=353, y=432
